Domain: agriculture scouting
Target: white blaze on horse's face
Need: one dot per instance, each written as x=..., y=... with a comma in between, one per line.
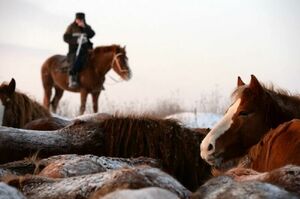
x=207, y=146
x=1, y=112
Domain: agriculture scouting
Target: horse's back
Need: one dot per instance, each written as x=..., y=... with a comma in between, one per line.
x=289, y=141
x=50, y=67
x=53, y=61
x=47, y=123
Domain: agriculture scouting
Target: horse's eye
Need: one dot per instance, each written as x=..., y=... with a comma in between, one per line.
x=243, y=113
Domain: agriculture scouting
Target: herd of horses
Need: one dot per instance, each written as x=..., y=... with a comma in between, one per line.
x=253, y=151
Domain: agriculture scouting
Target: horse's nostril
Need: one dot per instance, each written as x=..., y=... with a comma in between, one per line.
x=210, y=147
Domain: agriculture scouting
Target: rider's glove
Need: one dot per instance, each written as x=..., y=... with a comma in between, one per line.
x=84, y=39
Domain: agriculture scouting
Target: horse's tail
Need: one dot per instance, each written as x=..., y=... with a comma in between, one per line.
x=47, y=79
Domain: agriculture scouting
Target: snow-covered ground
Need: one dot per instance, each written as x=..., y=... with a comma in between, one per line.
x=196, y=120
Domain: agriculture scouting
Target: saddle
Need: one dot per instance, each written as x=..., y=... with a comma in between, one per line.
x=64, y=66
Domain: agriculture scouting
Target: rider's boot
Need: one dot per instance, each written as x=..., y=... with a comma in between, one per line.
x=73, y=81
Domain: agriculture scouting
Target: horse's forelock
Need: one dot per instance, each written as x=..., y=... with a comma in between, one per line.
x=268, y=88
x=237, y=93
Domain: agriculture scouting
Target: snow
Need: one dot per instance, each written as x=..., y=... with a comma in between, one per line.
x=196, y=120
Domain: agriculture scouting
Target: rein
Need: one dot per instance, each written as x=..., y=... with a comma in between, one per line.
x=115, y=60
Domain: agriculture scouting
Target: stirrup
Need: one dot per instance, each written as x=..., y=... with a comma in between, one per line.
x=72, y=82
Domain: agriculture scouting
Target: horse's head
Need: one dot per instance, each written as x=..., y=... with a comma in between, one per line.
x=6, y=92
x=120, y=63
x=243, y=124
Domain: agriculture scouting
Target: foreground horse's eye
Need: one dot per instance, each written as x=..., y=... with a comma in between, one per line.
x=243, y=113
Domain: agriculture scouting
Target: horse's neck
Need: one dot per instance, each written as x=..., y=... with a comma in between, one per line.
x=289, y=106
x=26, y=110
x=102, y=66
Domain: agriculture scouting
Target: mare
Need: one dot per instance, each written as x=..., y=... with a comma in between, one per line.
x=17, y=109
x=254, y=111
x=91, y=78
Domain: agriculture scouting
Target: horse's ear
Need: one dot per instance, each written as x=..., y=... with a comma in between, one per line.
x=11, y=86
x=124, y=47
x=255, y=85
x=240, y=82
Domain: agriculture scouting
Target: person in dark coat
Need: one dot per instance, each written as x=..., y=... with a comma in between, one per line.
x=78, y=36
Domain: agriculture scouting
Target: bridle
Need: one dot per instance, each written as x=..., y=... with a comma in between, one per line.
x=115, y=60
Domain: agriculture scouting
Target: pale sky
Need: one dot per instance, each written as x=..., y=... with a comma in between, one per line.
x=184, y=47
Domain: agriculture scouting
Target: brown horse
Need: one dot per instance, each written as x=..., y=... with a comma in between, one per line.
x=17, y=109
x=254, y=111
x=279, y=147
x=91, y=78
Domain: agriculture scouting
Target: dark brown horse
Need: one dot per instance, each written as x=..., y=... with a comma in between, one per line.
x=118, y=136
x=91, y=78
x=17, y=109
x=254, y=111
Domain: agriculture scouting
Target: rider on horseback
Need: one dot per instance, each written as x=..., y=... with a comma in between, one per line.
x=77, y=36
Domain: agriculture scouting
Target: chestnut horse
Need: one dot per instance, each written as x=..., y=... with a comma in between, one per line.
x=254, y=111
x=91, y=78
x=279, y=147
x=17, y=109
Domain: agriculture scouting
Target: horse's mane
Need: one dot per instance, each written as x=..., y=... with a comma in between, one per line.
x=270, y=88
x=283, y=105
x=177, y=147
x=23, y=109
x=104, y=49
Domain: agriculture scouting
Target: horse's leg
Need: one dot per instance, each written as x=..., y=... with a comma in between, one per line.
x=83, y=96
x=47, y=85
x=58, y=94
x=95, y=96
x=47, y=95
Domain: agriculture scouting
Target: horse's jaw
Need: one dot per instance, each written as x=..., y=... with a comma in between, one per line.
x=221, y=164
x=214, y=160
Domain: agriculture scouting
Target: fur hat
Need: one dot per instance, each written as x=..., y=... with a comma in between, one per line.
x=80, y=15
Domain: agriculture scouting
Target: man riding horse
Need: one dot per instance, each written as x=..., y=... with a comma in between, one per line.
x=77, y=36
